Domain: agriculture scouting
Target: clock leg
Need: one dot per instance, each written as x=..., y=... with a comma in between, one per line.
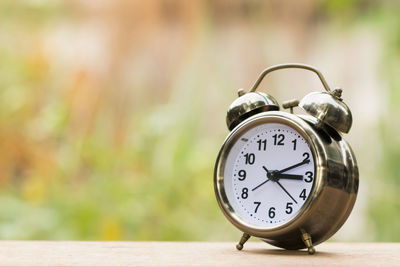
x=243, y=240
x=307, y=241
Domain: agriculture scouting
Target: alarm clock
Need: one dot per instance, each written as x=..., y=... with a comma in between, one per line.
x=289, y=179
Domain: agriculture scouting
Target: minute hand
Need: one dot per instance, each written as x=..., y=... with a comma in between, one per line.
x=294, y=166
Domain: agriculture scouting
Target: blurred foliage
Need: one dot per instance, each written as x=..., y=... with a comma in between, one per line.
x=112, y=113
x=384, y=205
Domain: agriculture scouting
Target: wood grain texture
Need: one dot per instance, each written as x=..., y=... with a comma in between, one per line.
x=60, y=253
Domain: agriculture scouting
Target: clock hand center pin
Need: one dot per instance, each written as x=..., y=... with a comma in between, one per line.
x=276, y=175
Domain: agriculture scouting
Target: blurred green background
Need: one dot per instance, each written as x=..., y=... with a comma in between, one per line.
x=112, y=112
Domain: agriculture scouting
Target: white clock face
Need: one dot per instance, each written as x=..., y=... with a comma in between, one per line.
x=269, y=174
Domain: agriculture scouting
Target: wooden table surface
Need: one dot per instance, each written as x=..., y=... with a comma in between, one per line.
x=61, y=253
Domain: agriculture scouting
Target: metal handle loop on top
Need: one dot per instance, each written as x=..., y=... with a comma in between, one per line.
x=289, y=66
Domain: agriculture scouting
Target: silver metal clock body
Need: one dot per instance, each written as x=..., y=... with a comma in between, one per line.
x=319, y=212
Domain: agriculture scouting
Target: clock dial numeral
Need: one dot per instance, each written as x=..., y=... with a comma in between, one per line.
x=245, y=192
x=294, y=143
x=242, y=175
x=262, y=144
x=278, y=139
x=257, y=205
x=250, y=158
x=309, y=178
x=271, y=213
x=306, y=156
x=289, y=208
x=303, y=194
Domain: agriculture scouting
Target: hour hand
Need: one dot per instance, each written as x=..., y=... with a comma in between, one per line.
x=288, y=176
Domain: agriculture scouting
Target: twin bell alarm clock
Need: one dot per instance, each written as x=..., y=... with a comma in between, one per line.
x=289, y=179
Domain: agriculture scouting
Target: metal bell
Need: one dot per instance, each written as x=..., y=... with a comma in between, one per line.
x=247, y=105
x=328, y=108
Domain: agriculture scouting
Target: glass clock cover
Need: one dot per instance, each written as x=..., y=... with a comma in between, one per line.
x=268, y=175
